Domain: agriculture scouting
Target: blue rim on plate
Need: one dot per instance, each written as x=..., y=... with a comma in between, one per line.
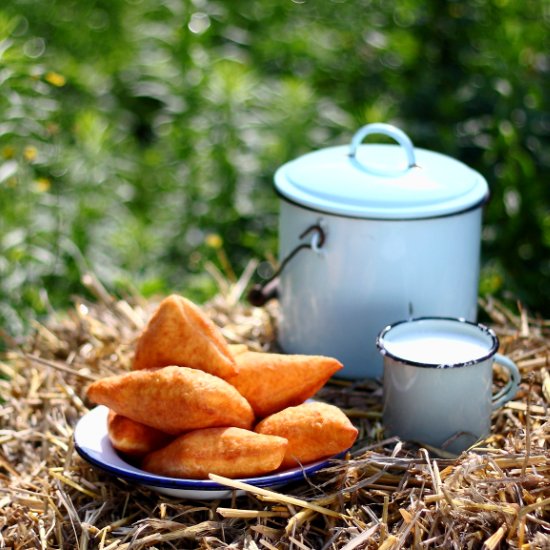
x=92, y=444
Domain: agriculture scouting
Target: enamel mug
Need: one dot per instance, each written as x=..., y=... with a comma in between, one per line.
x=438, y=381
x=369, y=234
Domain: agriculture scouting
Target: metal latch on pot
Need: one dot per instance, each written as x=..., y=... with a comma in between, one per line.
x=260, y=294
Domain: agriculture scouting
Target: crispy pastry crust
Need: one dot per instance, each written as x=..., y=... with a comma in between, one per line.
x=179, y=333
x=173, y=399
x=230, y=452
x=314, y=430
x=271, y=382
x=134, y=438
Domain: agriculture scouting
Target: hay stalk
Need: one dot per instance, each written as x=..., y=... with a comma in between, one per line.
x=386, y=494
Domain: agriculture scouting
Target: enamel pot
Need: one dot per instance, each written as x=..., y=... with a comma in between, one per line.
x=385, y=232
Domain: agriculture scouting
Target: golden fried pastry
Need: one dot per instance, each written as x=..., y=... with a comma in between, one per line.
x=133, y=438
x=271, y=382
x=173, y=399
x=313, y=430
x=230, y=452
x=180, y=334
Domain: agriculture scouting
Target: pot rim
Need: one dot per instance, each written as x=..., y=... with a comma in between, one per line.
x=474, y=206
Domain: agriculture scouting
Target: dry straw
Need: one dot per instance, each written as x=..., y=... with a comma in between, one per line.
x=386, y=494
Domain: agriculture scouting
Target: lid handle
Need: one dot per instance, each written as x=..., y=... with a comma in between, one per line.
x=388, y=130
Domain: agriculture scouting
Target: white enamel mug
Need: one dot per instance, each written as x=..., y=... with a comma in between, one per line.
x=438, y=380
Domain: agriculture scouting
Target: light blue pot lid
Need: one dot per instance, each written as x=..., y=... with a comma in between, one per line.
x=380, y=181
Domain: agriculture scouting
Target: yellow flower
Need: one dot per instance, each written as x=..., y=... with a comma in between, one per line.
x=214, y=241
x=43, y=185
x=55, y=79
x=8, y=152
x=30, y=153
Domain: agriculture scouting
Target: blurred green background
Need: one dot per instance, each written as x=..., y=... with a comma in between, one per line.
x=138, y=138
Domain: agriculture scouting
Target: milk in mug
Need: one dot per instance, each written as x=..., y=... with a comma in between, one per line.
x=437, y=348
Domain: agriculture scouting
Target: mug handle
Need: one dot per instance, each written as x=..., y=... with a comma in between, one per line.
x=510, y=390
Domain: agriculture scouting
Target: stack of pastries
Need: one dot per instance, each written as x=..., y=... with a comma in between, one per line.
x=194, y=404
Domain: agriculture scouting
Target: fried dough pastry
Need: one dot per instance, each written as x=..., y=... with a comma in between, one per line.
x=173, y=399
x=271, y=382
x=313, y=430
x=230, y=452
x=179, y=333
x=133, y=438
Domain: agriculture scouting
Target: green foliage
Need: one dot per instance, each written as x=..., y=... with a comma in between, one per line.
x=131, y=130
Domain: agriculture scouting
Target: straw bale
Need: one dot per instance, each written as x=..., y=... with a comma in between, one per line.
x=385, y=494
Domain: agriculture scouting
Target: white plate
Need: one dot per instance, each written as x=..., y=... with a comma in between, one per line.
x=92, y=443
